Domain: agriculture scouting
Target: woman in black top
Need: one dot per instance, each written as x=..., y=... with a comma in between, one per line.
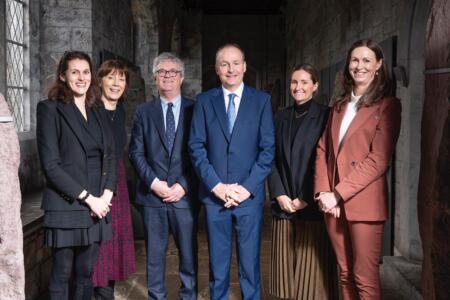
x=302, y=264
x=76, y=149
x=116, y=259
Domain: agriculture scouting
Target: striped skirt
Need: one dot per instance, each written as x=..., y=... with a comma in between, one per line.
x=303, y=264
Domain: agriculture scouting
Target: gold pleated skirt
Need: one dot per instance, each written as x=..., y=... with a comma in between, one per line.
x=303, y=264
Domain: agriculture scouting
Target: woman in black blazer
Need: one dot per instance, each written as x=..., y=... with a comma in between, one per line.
x=302, y=262
x=76, y=149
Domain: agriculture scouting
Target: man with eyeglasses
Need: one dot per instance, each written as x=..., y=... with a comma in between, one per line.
x=167, y=186
x=232, y=146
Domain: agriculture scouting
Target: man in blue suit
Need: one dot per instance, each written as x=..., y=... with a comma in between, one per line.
x=166, y=188
x=232, y=147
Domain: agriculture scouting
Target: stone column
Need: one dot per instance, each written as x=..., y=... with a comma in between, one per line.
x=145, y=15
x=12, y=275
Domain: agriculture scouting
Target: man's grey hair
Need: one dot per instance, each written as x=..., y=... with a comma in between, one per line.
x=167, y=56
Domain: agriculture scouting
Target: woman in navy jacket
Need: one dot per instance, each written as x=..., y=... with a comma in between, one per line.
x=76, y=149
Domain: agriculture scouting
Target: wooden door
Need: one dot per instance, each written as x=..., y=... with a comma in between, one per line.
x=434, y=188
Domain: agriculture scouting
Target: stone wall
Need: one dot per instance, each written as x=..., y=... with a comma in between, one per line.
x=145, y=15
x=320, y=32
x=261, y=38
x=112, y=24
x=37, y=261
x=187, y=43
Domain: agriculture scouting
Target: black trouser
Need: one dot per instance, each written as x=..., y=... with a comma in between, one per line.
x=105, y=292
x=84, y=259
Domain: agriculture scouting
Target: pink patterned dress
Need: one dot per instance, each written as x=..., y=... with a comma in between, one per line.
x=116, y=259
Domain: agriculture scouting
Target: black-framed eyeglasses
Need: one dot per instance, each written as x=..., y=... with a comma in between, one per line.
x=167, y=73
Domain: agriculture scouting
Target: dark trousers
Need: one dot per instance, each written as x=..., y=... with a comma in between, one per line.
x=83, y=258
x=105, y=292
x=247, y=223
x=182, y=222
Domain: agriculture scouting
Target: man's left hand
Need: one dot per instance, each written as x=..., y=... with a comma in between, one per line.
x=236, y=195
x=175, y=194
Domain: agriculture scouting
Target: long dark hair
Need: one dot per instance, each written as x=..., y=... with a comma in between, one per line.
x=379, y=87
x=114, y=65
x=60, y=91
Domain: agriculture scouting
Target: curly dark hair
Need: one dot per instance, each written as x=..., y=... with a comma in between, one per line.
x=380, y=87
x=60, y=91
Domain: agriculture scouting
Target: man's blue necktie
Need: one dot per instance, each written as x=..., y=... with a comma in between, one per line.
x=170, y=127
x=231, y=113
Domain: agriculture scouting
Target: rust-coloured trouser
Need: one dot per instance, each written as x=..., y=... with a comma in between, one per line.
x=357, y=245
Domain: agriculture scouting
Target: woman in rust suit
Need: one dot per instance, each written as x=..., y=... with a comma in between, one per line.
x=353, y=157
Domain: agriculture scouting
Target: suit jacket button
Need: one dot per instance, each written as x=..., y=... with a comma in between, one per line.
x=104, y=173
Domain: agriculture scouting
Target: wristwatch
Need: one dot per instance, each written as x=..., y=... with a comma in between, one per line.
x=83, y=199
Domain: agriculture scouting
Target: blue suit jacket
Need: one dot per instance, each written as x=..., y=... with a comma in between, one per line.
x=150, y=156
x=244, y=157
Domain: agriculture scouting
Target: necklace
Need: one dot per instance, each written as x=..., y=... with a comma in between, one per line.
x=112, y=114
x=299, y=115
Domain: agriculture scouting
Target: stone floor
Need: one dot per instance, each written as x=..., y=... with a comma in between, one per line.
x=135, y=288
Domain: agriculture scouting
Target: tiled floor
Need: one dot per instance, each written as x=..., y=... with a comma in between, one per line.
x=135, y=288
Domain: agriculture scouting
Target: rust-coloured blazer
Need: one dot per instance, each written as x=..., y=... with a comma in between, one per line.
x=356, y=168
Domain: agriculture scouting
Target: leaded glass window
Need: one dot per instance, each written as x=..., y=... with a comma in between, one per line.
x=16, y=46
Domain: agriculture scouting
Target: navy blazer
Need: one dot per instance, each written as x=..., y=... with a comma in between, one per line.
x=293, y=170
x=244, y=157
x=64, y=160
x=150, y=156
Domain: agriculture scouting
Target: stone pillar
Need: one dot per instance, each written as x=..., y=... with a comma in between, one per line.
x=12, y=275
x=145, y=15
x=190, y=51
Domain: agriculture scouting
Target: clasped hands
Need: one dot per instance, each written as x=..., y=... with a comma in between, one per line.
x=291, y=205
x=232, y=194
x=168, y=194
x=329, y=203
x=100, y=206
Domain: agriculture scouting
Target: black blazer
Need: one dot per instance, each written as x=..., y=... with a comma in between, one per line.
x=150, y=156
x=293, y=169
x=64, y=161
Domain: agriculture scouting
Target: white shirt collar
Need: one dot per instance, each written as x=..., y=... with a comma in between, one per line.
x=175, y=101
x=354, y=99
x=237, y=92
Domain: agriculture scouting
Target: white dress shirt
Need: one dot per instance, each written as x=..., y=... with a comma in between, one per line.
x=237, y=99
x=349, y=115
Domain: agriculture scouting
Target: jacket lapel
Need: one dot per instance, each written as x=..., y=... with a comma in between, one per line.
x=67, y=113
x=286, y=134
x=156, y=114
x=361, y=117
x=180, y=128
x=336, y=126
x=245, y=109
x=96, y=114
x=219, y=108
